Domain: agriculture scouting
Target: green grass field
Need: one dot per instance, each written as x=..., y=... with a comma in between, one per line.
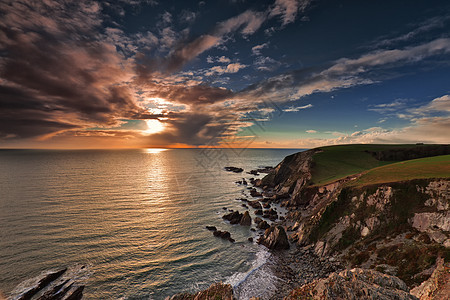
x=336, y=162
x=429, y=167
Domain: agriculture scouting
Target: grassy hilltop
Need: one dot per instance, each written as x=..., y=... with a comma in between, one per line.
x=386, y=162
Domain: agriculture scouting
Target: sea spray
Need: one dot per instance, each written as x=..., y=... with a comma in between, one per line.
x=259, y=281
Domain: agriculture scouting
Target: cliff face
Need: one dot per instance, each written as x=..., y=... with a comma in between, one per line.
x=399, y=228
x=291, y=175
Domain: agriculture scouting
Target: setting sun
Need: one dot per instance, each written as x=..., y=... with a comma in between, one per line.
x=154, y=126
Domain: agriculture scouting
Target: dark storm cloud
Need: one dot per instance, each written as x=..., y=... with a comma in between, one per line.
x=191, y=129
x=56, y=73
x=196, y=95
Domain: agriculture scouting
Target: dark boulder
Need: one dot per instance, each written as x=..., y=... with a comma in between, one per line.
x=263, y=225
x=222, y=234
x=259, y=212
x=234, y=217
x=255, y=193
x=255, y=204
x=212, y=228
x=246, y=220
x=275, y=238
x=257, y=220
x=234, y=169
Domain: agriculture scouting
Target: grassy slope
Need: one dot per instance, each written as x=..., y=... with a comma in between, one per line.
x=429, y=167
x=336, y=162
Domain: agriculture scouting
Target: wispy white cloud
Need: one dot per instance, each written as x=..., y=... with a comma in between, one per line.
x=288, y=9
x=441, y=104
x=311, y=131
x=297, y=108
x=230, y=68
x=388, y=107
x=265, y=63
x=223, y=59
x=256, y=50
x=421, y=28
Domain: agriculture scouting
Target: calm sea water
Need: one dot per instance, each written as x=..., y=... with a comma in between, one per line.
x=135, y=218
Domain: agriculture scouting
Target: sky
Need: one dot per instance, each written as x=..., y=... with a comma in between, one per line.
x=223, y=73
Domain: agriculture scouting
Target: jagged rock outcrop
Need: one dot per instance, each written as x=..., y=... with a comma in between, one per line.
x=54, y=285
x=335, y=217
x=435, y=222
x=437, y=286
x=291, y=175
x=234, y=217
x=42, y=283
x=357, y=284
x=246, y=220
x=275, y=238
x=215, y=291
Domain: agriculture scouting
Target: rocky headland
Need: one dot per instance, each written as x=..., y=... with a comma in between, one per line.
x=382, y=232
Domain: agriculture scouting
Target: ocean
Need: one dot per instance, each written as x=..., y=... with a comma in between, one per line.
x=129, y=224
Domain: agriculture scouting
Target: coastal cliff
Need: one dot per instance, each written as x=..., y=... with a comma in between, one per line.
x=399, y=228
x=374, y=219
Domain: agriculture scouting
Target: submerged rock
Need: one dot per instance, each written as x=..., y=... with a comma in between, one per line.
x=211, y=228
x=274, y=238
x=222, y=234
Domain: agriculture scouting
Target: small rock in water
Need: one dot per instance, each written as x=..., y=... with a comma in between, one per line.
x=234, y=169
x=222, y=234
x=212, y=228
x=255, y=204
x=234, y=217
x=246, y=220
x=250, y=239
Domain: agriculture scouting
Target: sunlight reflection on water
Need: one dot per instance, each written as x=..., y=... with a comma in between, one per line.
x=137, y=217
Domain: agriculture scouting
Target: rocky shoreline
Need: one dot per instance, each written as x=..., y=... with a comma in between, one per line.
x=384, y=241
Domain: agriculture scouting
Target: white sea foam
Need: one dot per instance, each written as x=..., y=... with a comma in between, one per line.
x=76, y=273
x=259, y=281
